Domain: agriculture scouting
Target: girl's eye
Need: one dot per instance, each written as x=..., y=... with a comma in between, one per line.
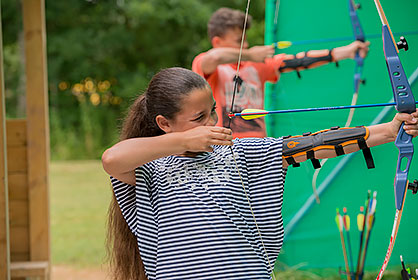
x=198, y=118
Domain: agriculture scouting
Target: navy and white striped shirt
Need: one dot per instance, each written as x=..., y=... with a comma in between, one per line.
x=192, y=219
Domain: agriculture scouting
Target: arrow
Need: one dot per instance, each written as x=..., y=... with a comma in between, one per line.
x=340, y=223
x=346, y=220
x=249, y=114
x=370, y=219
x=361, y=227
x=287, y=44
x=404, y=272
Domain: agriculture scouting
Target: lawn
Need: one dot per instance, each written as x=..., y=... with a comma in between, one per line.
x=80, y=193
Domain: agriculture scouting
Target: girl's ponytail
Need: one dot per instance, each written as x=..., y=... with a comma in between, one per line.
x=164, y=96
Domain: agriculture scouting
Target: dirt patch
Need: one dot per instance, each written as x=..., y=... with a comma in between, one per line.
x=62, y=272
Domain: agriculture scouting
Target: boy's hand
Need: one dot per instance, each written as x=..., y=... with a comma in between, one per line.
x=411, y=123
x=260, y=53
x=349, y=51
x=201, y=138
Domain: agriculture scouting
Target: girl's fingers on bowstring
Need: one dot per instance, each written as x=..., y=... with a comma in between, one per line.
x=202, y=138
x=222, y=135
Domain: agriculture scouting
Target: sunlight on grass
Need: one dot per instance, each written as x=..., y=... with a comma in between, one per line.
x=80, y=195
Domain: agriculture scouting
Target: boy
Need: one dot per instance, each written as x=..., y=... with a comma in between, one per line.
x=259, y=65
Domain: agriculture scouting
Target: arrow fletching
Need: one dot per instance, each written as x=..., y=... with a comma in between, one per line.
x=250, y=114
x=372, y=209
x=347, y=223
x=360, y=219
x=339, y=220
x=282, y=44
x=370, y=220
x=346, y=219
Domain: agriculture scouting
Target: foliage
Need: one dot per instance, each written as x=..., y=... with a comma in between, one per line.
x=118, y=43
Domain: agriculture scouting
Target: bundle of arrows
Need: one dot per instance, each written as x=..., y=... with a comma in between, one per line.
x=365, y=222
x=406, y=272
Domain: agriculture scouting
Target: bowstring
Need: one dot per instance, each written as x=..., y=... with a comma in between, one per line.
x=236, y=81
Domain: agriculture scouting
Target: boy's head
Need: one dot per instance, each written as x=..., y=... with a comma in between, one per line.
x=225, y=28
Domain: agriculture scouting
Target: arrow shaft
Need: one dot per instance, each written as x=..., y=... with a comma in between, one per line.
x=345, y=38
x=347, y=269
x=314, y=109
x=350, y=255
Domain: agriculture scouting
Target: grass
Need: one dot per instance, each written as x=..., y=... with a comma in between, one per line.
x=80, y=194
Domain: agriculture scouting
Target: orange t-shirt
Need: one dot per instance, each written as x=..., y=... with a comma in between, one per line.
x=250, y=94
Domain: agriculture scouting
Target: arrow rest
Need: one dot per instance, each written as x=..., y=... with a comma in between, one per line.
x=402, y=44
x=413, y=186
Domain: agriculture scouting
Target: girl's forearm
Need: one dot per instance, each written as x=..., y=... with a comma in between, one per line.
x=128, y=154
x=378, y=135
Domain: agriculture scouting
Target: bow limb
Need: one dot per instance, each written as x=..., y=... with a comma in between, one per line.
x=359, y=36
x=405, y=103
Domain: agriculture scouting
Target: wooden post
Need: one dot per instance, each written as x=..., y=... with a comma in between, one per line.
x=4, y=198
x=37, y=128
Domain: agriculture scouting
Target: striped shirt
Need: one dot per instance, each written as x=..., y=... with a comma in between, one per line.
x=192, y=218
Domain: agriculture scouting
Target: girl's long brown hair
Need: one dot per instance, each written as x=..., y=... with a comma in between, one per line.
x=163, y=96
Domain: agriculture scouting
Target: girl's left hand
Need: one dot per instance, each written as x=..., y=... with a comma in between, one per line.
x=411, y=123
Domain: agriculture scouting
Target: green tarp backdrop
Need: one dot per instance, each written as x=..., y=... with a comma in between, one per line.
x=313, y=239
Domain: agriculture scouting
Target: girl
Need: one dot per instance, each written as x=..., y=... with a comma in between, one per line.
x=191, y=203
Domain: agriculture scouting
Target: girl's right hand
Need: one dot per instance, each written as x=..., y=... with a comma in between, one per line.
x=201, y=138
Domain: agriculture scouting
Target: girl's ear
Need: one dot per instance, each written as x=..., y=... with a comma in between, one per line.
x=163, y=123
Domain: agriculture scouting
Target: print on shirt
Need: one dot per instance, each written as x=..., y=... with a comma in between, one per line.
x=250, y=95
x=201, y=175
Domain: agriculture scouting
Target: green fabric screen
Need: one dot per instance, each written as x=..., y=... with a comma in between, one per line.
x=314, y=242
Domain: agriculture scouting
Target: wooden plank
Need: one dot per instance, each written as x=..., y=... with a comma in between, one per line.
x=19, y=240
x=18, y=186
x=37, y=128
x=16, y=132
x=18, y=213
x=17, y=159
x=19, y=257
x=4, y=215
x=29, y=269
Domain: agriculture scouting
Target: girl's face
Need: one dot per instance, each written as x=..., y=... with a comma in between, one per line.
x=197, y=109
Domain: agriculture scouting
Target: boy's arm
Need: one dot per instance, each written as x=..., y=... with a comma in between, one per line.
x=217, y=56
x=315, y=58
x=121, y=160
x=378, y=135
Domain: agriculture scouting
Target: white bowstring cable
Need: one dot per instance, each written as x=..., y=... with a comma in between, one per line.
x=233, y=154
